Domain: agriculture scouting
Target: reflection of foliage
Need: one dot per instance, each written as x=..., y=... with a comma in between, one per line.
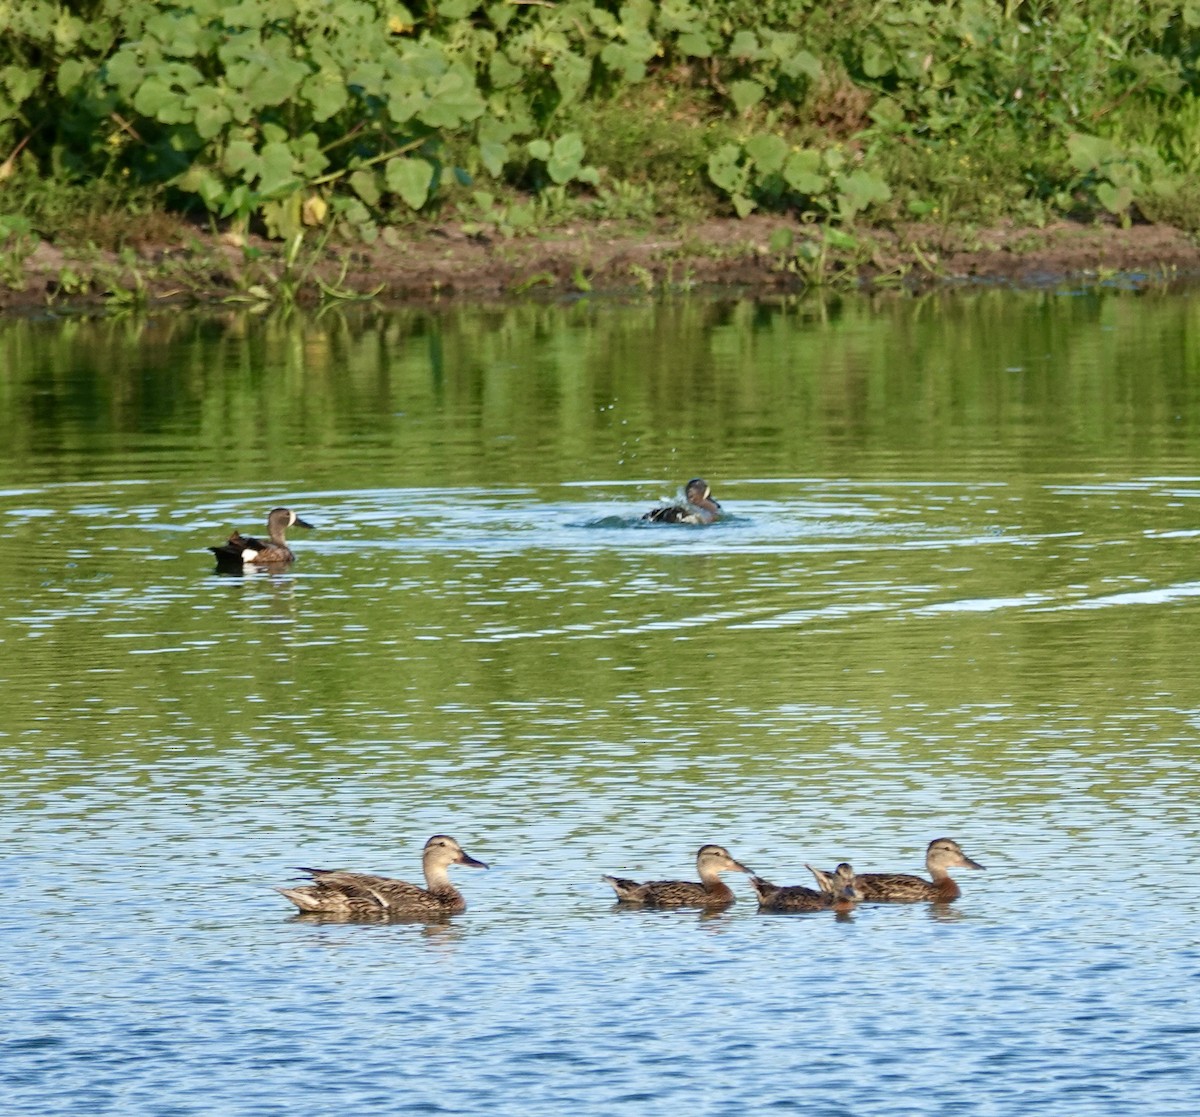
x=298, y=115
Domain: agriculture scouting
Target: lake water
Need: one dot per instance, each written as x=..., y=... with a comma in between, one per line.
x=957, y=592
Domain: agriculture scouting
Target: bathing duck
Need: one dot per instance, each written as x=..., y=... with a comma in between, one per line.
x=242, y=550
x=337, y=892
x=711, y=892
x=841, y=895
x=901, y=888
x=700, y=508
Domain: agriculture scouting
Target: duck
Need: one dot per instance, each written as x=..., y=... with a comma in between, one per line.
x=364, y=895
x=841, y=896
x=710, y=892
x=902, y=888
x=699, y=506
x=243, y=550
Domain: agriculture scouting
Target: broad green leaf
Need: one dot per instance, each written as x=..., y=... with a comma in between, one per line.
x=240, y=158
x=502, y=73
x=624, y=60
x=571, y=75
x=746, y=94
x=410, y=178
x=744, y=44
x=538, y=149
x=724, y=169
x=124, y=71
x=154, y=97
x=70, y=74
x=276, y=171
x=694, y=44
x=326, y=92
x=565, y=158
x=366, y=185
x=802, y=172
x=210, y=113
x=858, y=190
x=1115, y=199
x=768, y=152
x=453, y=100
x=493, y=156
x=1089, y=152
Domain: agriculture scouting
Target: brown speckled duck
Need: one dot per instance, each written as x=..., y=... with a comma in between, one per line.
x=239, y=551
x=337, y=892
x=710, y=892
x=841, y=896
x=699, y=506
x=902, y=888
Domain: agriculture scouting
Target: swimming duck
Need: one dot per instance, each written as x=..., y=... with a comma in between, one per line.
x=841, y=896
x=243, y=550
x=700, y=508
x=711, y=892
x=902, y=888
x=337, y=892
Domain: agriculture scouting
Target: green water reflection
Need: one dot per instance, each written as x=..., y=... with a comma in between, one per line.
x=957, y=536
x=1028, y=383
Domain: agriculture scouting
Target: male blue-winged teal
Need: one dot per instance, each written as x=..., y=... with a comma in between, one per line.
x=902, y=888
x=698, y=507
x=240, y=550
x=841, y=895
x=337, y=892
x=710, y=892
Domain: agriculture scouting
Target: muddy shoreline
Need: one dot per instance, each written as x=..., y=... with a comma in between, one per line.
x=759, y=255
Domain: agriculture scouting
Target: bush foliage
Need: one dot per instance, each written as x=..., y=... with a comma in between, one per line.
x=353, y=113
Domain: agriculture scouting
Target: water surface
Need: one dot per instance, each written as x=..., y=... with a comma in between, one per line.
x=956, y=593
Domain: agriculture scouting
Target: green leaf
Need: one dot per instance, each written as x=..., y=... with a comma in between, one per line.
x=70, y=74
x=366, y=185
x=1115, y=199
x=538, y=149
x=768, y=152
x=565, y=158
x=210, y=112
x=411, y=179
x=240, y=157
x=276, y=171
x=743, y=206
x=571, y=75
x=153, y=97
x=802, y=172
x=858, y=190
x=744, y=44
x=326, y=92
x=746, y=94
x=1089, y=152
x=781, y=240
x=502, y=73
x=695, y=45
x=493, y=156
x=724, y=168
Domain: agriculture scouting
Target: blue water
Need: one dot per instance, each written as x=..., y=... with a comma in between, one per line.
x=985, y=636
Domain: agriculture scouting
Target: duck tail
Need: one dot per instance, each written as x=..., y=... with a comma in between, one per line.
x=301, y=898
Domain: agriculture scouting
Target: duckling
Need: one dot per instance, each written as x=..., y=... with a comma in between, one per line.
x=842, y=895
x=699, y=506
x=337, y=892
x=711, y=892
x=240, y=550
x=902, y=888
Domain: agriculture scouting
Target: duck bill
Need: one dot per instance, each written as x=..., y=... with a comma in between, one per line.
x=739, y=867
x=967, y=863
x=468, y=860
x=300, y=523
